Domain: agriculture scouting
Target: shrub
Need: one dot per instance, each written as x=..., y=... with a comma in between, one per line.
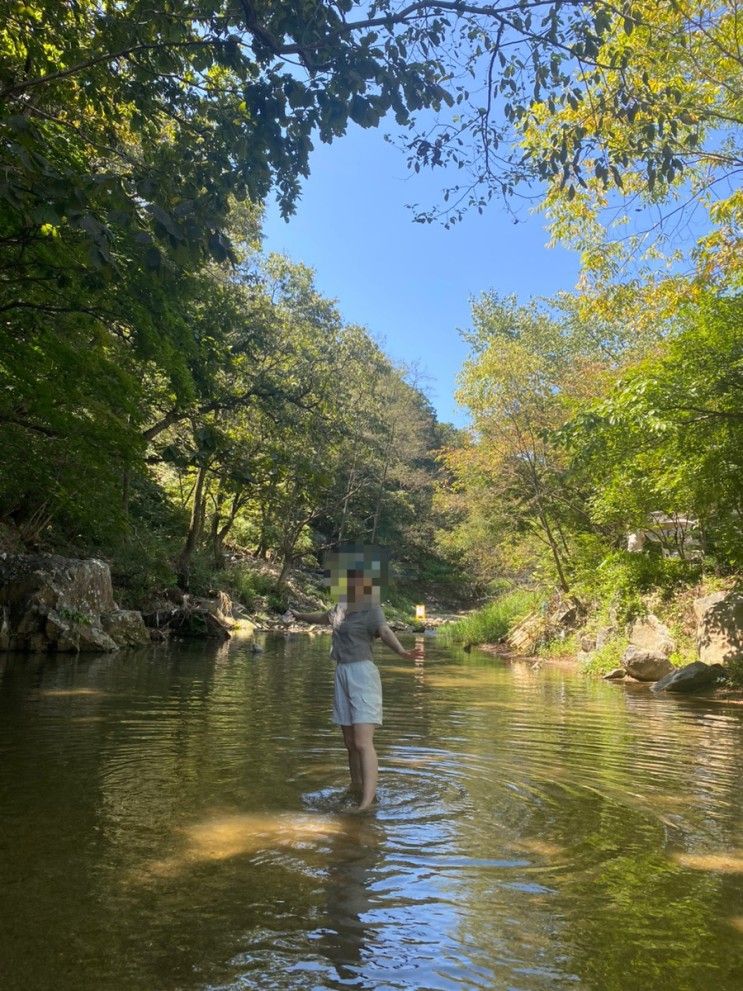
x=247, y=585
x=623, y=578
x=492, y=622
x=607, y=657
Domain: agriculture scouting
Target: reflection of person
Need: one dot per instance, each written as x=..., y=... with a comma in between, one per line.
x=357, y=705
x=354, y=856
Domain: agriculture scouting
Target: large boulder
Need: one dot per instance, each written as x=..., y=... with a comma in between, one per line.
x=690, y=678
x=720, y=627
x=83, y=586
x=54, y=603
x=126, y=628
x=50, y=602
x=645, y=665
x=650, y=635
x=77, y=635
x=650, y=645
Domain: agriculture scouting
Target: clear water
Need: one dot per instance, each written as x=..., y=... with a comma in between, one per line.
x=176, y=819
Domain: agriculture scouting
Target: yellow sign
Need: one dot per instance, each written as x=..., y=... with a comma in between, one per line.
x=420, y=612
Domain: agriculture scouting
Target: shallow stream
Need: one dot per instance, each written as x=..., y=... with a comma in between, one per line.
x=176, y=819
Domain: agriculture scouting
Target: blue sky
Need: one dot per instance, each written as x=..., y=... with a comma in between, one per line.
x=409, y=284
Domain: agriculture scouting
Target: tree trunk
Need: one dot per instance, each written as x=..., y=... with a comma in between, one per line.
x=125, y=478
x=555, y=551
x=194, y=529
x=219, y=534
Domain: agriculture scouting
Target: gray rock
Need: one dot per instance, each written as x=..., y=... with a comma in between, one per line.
x=645, y=665
x=690, y=678
x=615, y=674
x=73, y=635
x=50, y=602
x=565, y=617
x=587, y=642
x=604, y=635
x=650, y=635
x=57, y=582
x=126, y=628
x=527, y=635
x=720, y=627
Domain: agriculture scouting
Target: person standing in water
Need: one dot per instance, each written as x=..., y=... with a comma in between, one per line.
x=355, y=621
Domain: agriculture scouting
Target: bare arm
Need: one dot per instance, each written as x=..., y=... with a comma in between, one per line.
x=310, y=617
x=388, y=637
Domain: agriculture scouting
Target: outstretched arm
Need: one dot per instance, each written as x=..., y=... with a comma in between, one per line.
x=388, y=637
x=309, y=617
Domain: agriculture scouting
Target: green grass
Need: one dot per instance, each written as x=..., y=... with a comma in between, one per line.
x=247, y=585
x=491, y=623
x=398, y=605
x=568, y=647
x=607, y=657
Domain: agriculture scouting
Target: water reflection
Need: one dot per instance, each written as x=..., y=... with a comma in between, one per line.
x=347, y=932
x=174, y=819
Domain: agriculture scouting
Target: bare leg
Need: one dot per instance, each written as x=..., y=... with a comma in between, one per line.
x=354, y=760
x=363, y=736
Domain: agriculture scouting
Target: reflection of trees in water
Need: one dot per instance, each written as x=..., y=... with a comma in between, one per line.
x=596, y=788
x=589, y=845
x=353, y=857
x=659, y=922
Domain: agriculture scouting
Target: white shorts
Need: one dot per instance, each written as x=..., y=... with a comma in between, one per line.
x=358, y=694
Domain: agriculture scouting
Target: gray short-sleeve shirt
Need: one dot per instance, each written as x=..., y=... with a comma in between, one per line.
x=354, y=632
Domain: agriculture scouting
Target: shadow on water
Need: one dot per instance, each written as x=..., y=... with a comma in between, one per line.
x=347, y=933
x=177, y=819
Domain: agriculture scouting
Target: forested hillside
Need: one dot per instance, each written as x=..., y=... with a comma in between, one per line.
x=168, y=390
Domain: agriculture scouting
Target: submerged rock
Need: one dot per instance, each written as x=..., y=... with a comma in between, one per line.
x=690, y=678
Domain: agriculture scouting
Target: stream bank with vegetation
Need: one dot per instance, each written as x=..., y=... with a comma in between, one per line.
x=177, y=402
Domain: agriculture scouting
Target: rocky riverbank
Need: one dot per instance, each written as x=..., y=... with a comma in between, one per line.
x=703, y=651
x=50, y=603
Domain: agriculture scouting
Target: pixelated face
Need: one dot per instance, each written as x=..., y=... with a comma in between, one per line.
x=357, y=572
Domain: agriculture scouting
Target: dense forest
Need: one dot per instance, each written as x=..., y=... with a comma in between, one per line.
x=167, y=390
